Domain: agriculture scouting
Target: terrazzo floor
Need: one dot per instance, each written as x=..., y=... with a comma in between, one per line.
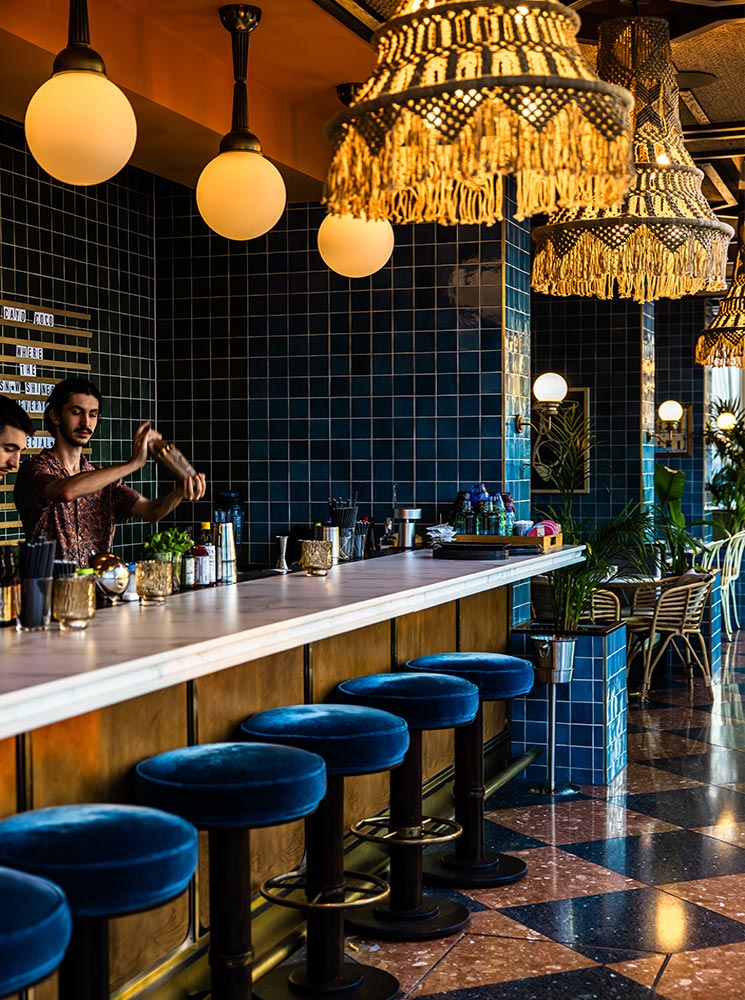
x=633, y=890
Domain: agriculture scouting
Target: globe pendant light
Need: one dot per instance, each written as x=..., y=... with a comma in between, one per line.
x=466, y=92
x=722, y=343
x=240, y=194
x=80, y=127
x=664, y=241
x=354, y=248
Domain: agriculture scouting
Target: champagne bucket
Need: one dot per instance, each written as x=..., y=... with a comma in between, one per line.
x=554, y=658
x=225, y=553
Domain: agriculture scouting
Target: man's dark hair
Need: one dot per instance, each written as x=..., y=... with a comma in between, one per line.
x=62, y=392
x=13, y=415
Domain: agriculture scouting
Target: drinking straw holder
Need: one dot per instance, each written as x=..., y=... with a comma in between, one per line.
x=36, y=572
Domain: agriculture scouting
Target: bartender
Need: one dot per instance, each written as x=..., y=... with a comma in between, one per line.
x=60, y=495
x=15, y=427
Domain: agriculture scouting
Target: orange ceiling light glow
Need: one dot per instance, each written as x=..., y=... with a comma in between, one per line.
x=240, y=194
x=79, y=125
x=465, y=93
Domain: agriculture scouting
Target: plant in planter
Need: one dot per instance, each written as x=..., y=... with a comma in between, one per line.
x=626, y=534
x=669, y=519
x=170, y=545
x=727, y=485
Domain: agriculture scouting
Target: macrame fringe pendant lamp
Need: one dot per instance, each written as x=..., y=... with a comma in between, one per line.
x=466, y=92
x=664, y=241
x=354, y=248
x=240, y=194
x=722, y=343
x=79, y=126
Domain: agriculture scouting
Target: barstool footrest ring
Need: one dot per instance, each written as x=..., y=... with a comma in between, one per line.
x=434, y=830
x=370, y=889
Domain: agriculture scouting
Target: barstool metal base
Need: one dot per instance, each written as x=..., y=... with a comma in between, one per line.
x=441, y=918
x=360, y=982
x=442, y=868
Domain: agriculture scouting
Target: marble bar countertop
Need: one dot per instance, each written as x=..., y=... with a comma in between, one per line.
x=129, y=650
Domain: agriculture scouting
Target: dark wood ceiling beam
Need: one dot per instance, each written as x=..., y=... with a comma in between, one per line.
x=684, y=19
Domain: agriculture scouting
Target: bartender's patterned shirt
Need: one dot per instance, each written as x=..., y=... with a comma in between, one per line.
x=80, y=527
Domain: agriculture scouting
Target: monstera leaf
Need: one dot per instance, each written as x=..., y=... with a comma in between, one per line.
x=669, y=485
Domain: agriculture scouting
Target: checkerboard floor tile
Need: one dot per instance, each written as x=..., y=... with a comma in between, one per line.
x=633, y=891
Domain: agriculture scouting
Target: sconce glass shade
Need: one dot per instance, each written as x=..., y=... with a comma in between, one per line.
x=670, y=411
x=355, y=247
x=80, y=127
x=550, y=388
x=240, y=194
x=726, y=421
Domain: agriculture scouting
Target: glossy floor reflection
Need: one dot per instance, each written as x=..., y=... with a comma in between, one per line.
x=634, y=890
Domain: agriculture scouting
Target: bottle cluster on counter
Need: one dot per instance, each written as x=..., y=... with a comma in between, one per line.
x=479, y=512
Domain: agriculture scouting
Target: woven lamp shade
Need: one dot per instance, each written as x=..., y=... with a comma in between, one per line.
x=465, y=93
x=664, y=240
x=722, y=343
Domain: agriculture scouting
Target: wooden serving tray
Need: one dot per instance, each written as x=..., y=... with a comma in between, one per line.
x=543, y=542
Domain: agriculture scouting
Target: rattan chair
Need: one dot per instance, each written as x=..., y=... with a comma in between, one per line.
x=605, y=607
x=670, y=611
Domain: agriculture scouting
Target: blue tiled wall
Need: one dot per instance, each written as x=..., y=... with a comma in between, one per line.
x=87, y=250
x=307, y=385
x=590, y=712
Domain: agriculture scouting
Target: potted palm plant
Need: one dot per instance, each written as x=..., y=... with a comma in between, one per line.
x=626, y=535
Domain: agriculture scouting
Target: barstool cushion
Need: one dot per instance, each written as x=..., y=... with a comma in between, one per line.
x=35, y=926
x=350, y=738
x=233, y=784
x=425, y=701
x=496, y=675
x=109, y=859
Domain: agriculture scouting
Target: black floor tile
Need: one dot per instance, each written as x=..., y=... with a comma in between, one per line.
x=443, y=892
x=720, y=767
x=688, y=807
x=580, y=984
x=662, y=858
x=724, y=734
x=613, y=926
x=501, y=838
x=518, y=793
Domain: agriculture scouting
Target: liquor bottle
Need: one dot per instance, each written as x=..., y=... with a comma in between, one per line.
x=509, y=509
x=501, y=514
x=483, y=517
x=201, y=567
x=189, y=571
x=389, y=538
x=205, y=539
x=469, y=518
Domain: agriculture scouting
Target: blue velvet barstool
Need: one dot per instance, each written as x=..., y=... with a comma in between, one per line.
x=352, y=740
x=497, y=676
x=35, y=925
x=425, y=701
x=109, y=860
x=228, y=789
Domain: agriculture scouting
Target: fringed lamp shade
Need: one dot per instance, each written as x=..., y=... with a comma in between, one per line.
x=664, y=241
x=722, y=343
x=465, y=93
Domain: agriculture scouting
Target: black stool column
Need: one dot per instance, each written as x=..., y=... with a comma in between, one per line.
x=470, y=864
x=84, y=972
x=231, y=954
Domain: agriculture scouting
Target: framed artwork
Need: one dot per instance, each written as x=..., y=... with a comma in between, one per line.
x=545, y=453
x=678, y=442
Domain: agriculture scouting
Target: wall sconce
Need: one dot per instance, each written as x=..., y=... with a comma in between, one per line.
x=726, y=421
x=240, y=194
x=80, y=127
x=549, y=390
x=668, y=432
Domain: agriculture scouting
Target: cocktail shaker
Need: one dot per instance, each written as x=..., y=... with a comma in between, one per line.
x=225, y=553
x=172, y=459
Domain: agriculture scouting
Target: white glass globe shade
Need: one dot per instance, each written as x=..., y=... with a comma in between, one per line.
x=355, y=247
x=240, y=194
x=80, y=127
x=550, y=388
x=726, y=421
x=670, y=411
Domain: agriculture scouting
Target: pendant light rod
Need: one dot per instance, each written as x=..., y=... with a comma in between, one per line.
x=240, y=20
x=78, y=55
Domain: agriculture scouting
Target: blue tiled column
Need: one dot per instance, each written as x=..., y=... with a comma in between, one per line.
x=590, y=712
